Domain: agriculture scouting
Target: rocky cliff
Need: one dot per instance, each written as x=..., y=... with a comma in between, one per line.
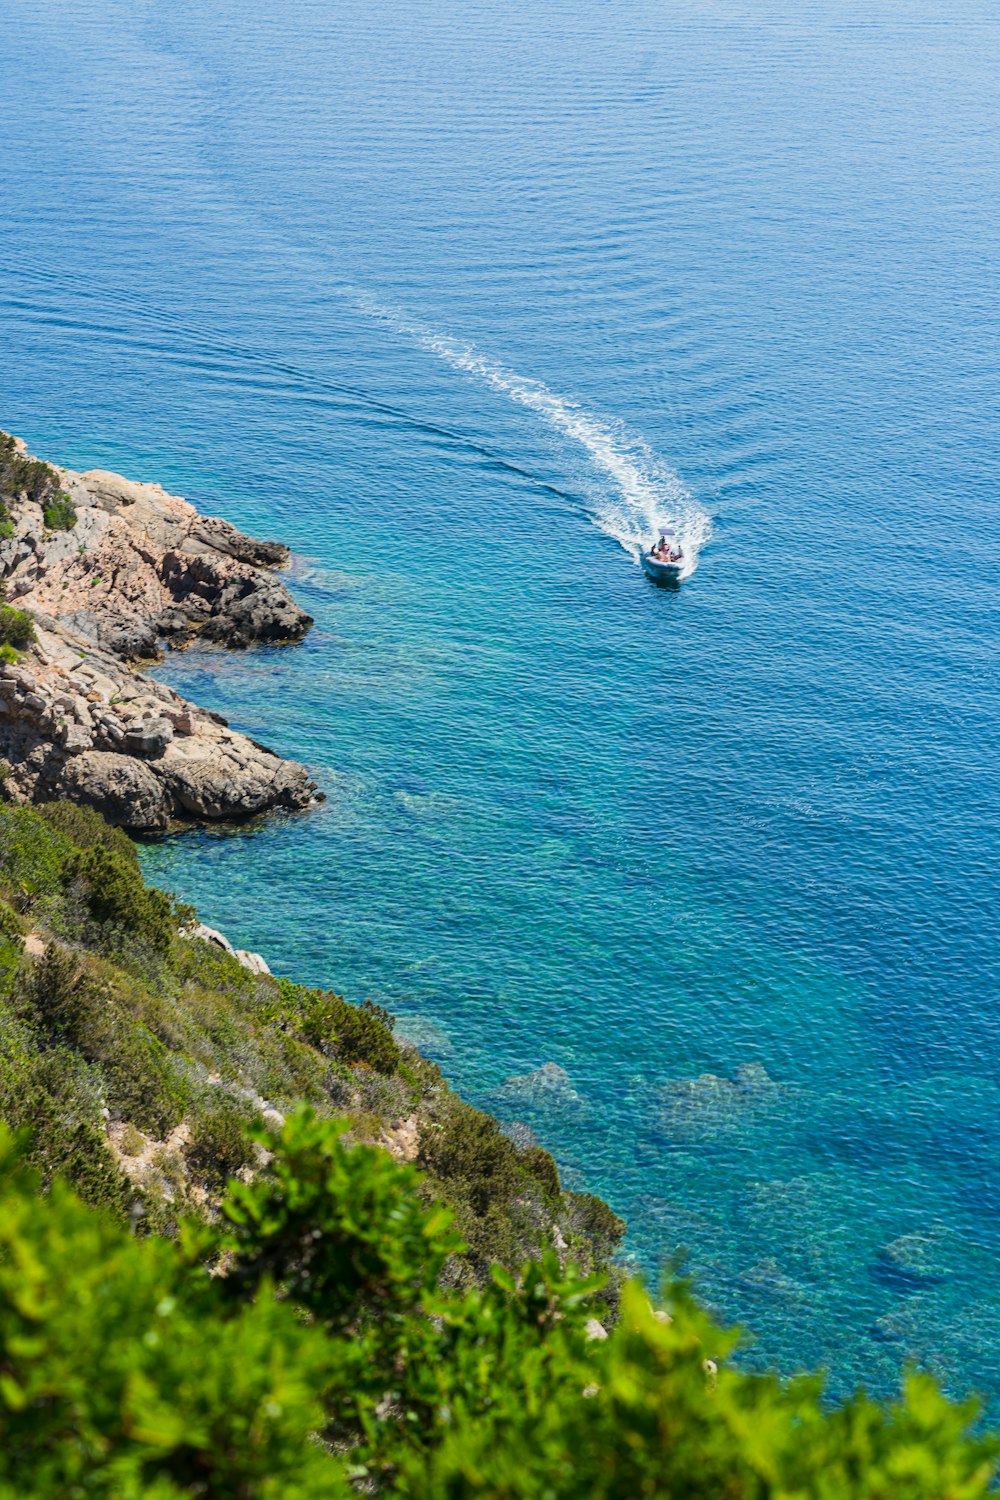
x=107, y=569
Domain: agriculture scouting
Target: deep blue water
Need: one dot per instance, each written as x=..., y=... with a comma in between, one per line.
x=458, y=299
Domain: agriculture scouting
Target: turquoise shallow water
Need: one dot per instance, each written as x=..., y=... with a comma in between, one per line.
x=458, y=300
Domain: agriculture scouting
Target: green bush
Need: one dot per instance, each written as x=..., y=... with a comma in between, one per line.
x=308, y=1345
x=87, y=829
x=9, y=654
x=219, y=1144
x=342, y=1230
x=16, y=628
x=54, y=1102
x=73, y=1007
x=11, y=925
x=470, y=1151
x=144, y=1083
x=116, y=897
x=542, y=1166
x=592, y=1218
x=506, y=1201
x=350, y=1033
x=380, y=1012
x=24, y=476
x=59, y=513
x=11, y=948
x=124, y=1375
x=210, y=967
x=32, y=854
x=132, y=1141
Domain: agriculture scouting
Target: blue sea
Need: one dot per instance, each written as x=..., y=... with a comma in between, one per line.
x=463, y=300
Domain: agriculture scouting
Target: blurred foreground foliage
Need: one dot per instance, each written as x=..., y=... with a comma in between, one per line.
x=308, y=1343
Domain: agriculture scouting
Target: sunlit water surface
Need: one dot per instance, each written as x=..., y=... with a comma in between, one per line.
x=461, y=300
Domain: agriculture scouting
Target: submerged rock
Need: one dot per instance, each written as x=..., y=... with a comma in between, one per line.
x=521, y=1134
x=424, y=1034
x=547, y=1087
x=767, y=1278
x=690, y=1108
x=915, y=1261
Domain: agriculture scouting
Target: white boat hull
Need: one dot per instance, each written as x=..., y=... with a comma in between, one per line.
x=661, y=572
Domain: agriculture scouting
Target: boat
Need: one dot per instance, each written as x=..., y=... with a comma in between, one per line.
x=664, y=569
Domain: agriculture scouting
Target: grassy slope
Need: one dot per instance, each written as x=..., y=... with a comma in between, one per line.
x=135, y=1057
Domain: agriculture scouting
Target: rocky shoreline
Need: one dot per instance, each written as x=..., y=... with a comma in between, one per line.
x=108, y=569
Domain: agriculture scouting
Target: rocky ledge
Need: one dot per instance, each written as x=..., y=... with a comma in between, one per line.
x=125, y=567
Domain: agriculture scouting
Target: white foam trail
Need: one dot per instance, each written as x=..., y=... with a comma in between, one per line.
x=647, y=493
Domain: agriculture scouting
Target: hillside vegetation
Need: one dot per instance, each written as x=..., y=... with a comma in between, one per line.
x=253, y=1248
x=138, y=1057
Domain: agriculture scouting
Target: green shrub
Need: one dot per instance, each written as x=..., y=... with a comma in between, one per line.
x=638, y=1414
x=351, y=1033
x=144, y=1083
x=470, y=1152
x=11, y=949
x=132, y=1141
x=204, y=964
x=32, y=854
x=24, y=476
x=219, y=1144
x=116, y=897
x=542, y=1166
x=72, y=1007
x=16, y=628
x=124, y=1376
x=363, y=1038
x=58, y=983
x=59, y=512
x=87, y=829
x=501, y=1393
x=341, y=1229
x=6, y=524
x=592, y=1218
x=380, y=1012
x=505, y=1200
x=11, y=925
x=53, y=1101
x=130, y=1368
x=8, y=654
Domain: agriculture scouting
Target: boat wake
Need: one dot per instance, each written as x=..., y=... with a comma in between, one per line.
x=645, y=493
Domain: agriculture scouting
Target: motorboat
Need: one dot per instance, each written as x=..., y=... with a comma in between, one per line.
x=664, y=561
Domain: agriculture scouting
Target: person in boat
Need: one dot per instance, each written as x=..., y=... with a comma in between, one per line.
x=664, y=552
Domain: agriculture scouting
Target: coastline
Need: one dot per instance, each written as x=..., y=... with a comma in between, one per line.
x=107, y=571
x=99, y=573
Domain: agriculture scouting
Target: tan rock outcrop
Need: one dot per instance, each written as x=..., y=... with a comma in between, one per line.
x=77, y=719
x=140, y=565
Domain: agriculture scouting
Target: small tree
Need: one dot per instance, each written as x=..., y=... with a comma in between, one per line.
x=16, y=628
x=59, y=512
